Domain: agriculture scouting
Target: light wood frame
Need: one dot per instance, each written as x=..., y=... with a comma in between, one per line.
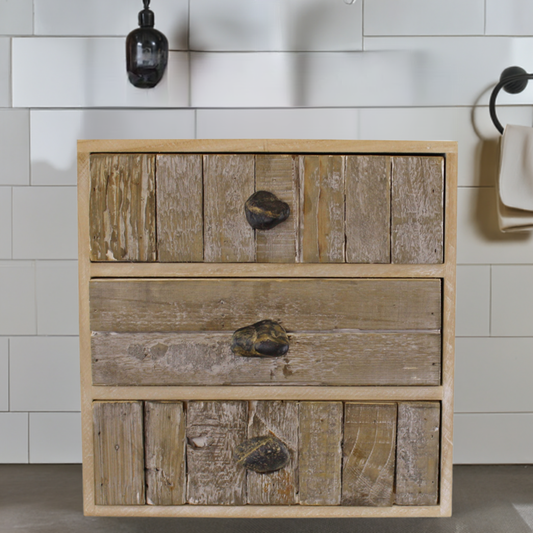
x=445, y=272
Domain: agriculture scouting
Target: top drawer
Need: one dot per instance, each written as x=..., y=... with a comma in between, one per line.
x=343, y=208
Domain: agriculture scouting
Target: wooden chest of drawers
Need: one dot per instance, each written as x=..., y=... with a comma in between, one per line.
x=360, y=280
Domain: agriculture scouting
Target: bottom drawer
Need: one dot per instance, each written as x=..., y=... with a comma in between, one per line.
x=333, y=453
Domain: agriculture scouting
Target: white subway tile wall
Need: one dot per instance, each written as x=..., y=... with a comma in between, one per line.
x=377, y=69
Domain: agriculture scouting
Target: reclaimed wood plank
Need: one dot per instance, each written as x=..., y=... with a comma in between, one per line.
x=322, y=209
x=417, y=456
x=278, y=174
x=298, y=304
x=320, y=453
x=122, y=207
x=118, y=453
x=417, y=212
x=369, y=454
x=327, y=358
x=228, y=183
x=367, y=183
x=214, y=429
x=164, y=450
x=180, y=208
x=280, y=419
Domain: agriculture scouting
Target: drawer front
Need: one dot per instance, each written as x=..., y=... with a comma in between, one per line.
x=341, y=332
x=334, y=453
x=191, y=208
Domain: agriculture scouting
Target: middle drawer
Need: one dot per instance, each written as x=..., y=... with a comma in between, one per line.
x=356, y=332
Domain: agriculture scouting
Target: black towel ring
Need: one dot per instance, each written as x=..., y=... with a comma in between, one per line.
x=513, y=80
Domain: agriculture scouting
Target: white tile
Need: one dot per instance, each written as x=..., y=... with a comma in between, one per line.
x=44, y=374
x=5, y=222
x=424, y=17
x=277, y=124
x=105, y=18
x=479, y=240
x=44, y=223
x=512, y=301
x=16, y=17
x=95, y=75
x=17, y=304
x=15, y=147
x=473, y=301
x=14, y=441
x=493, y=375
x=5, y=72
x=493, y=438
x=275, y=25
x=4, y=374
x=55, y=438
x=54, y=135
x=512, y=17
x=57, y=297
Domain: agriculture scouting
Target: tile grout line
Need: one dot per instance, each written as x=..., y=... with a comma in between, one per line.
x=490, y=302
x=9, y=374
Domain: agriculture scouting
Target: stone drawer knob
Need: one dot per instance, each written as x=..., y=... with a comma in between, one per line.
x=262, y=339
x=262, y=454
x=265, y=210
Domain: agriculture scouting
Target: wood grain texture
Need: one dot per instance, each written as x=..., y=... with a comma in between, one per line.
x=280, y=419
x=322, y=209
x=417, y=212
x=164, y=451
x=228, y=183
x=118, y=453
x=367, y=182
x=369, y=454
x=278, y=174
x=328, y=358
x=122, y=208
x=298, y=305
x=417, y=455
x=180, y=229
x=320, y=453
x=214, y=429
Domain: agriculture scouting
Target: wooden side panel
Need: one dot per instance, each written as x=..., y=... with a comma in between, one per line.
x=228, y=183
x=417, y=459
x=329, y=358
x=278, y=174
x=164, y=442
x=122, y=208
x=368, y=209
x=417, y=210
x=214, y=429
x=118, y=453
x=322, y=209
x=180, y=208
x=320, y=453
x=298, y=304
x=369, y=454
x=280, y=419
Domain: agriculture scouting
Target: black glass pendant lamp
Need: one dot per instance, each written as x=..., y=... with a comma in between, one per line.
x=146, y=52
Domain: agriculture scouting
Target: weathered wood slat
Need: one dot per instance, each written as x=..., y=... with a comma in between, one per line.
x=228, y=183
x=328, y=358
x=367, y=209
x=180, y=208
x=369, y=454
x=164, y=449
x=417, y=456
x=214, y=429
x=298, y=304
x=280, y=419
x=118, y=453
x=278, y=174
x=417, y=211
x=320, y=453
x=322, y=209
x=122, y=208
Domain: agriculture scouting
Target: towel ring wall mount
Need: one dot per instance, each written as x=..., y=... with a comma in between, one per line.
x=513, y=80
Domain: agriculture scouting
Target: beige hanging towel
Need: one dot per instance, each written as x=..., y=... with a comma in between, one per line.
x=515, y=181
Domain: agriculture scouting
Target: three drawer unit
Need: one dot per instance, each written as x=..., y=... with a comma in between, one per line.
x=267, y=327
